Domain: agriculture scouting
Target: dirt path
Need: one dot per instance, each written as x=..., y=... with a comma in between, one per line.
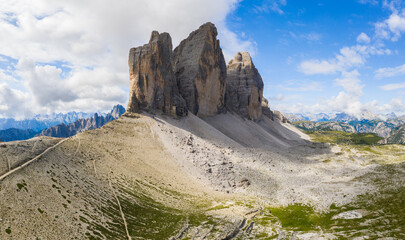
x=32, y=160
x=119, y=205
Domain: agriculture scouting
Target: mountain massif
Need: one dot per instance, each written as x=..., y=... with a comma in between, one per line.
x=197, y=155
x=194, y=78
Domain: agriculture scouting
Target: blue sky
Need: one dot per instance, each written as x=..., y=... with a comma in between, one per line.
x=314, y=56
x=288, y=34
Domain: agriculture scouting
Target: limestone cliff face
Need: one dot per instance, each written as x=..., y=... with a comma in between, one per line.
x=244, y=87
x=200, y=71
x=152, y=80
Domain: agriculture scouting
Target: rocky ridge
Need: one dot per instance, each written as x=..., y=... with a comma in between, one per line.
x=97, y=121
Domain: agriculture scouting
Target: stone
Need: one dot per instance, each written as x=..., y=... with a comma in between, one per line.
x=244, y=182
x=266, y=109
x=244, y=87
x=200, y=70
x=278, y=115
x=152, y=81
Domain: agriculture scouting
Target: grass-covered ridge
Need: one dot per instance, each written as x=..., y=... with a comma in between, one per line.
x=338, y=137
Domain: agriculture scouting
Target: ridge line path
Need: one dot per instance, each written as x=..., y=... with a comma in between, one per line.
x=32, y=160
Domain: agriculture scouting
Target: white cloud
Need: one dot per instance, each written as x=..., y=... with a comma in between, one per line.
x=271, y=5
x=318, y=67
x=390, y=71
x=393, y=86
x=393, y=27
x=345, y=60
x=363, y=38
x=93, y=39
x=351, y=83
x=13, y=102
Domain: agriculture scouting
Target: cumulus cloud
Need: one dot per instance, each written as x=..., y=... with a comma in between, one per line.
x=363, y=38
x=13, y=102
x=73, y=54
x=392, y=27
x=351, y=83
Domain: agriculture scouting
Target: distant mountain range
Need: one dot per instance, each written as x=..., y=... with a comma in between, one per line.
x=40, y=122
x=381, y=128
x=97, y=121
x=60, y=125
x=14, y=134
x=366, y=122
x=339, y=117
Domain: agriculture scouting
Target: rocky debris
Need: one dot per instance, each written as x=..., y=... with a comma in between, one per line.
x=266, y=109
x=280, y=116
x=244, y=87
x=244, y=182
x=152, y=81
x=200, y=71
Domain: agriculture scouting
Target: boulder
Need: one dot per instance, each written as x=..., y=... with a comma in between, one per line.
x=266, y=109
x=200, y=71
x=244, y=87
x=152, y=81
x=278, y=115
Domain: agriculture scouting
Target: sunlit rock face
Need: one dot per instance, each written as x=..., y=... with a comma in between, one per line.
x=244, y=87
x=200, y=71
x=153, y=84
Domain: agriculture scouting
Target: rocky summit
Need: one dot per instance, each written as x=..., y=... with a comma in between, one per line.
x=244, y=87
x=152, y=80
x=200, y=70
x=194, y=77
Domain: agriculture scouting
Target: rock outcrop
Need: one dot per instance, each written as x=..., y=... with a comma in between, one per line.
x=244, y=87
x=152, y=81
x=200, y=71
x=266, y=109
x=280, y=116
